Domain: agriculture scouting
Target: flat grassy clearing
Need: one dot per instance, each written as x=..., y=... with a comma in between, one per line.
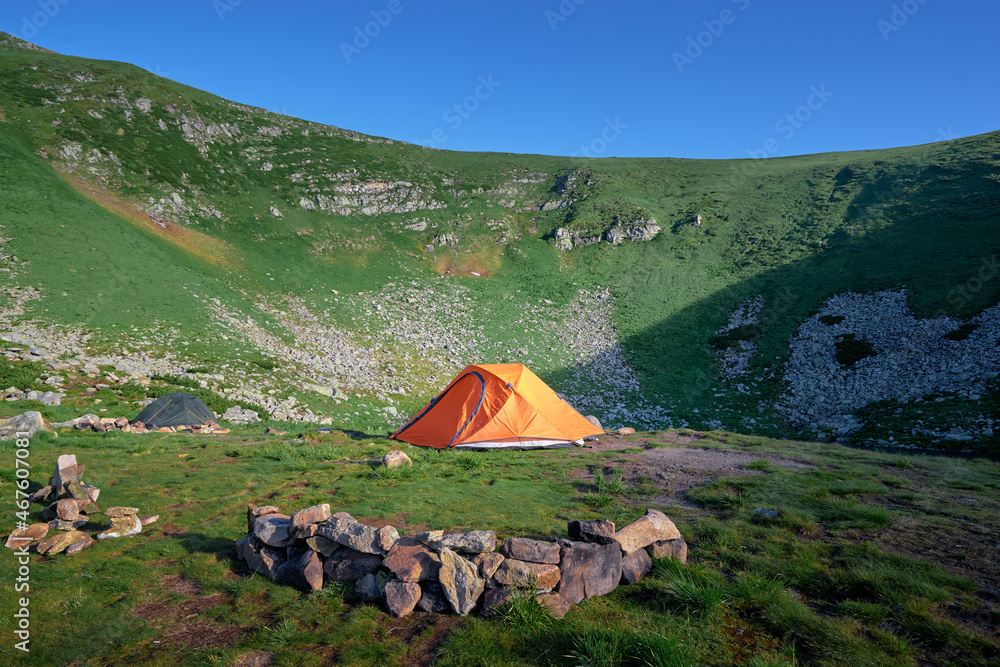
x=874, y=558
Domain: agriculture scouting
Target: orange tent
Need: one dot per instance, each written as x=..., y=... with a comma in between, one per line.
x=496, y=406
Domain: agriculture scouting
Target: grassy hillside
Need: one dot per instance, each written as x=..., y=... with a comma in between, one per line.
x=142, y=208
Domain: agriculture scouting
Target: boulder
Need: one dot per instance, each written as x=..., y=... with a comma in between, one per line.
x=241, y=545
x=304, y=571
x=65, y=509
x=522, y=574
x=28, y=422
x=432, y=597
x=237, y=415
x=461, y=582
x=60, y=524
x=401, y=597
x=27, y=535
x=123, y=526
x=589, y=570
x=472, y=542
x=488, y=564
x=495, y=598
x=273, y=530
x=676, y=549
x=253, y=512
x=310, y=515
x=60, y=542
x=533, y=551
x=350, y=565
x=653, y=527
x=360, y=537
x=396, y=459
x=148, y=519
x=65, y=472
x=412, y=562
x=40, y=495
x=625, y=430
x=555, y=603
x=262, y=558
x=601, y=531
x=79, y=545
x=369, y=588
x=323, y=546
x=121, y=512
x=635, y=566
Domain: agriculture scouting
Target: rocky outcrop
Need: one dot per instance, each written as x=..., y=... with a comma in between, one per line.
x=567, y=239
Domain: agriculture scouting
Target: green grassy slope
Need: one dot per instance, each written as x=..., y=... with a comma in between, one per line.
x=794, y=230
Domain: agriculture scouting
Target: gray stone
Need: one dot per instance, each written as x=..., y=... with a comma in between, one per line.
x=589, y=570
x=28, y=423
x=304, y=571
x=62, y=524
x=496, y=598
x=676, y=549
x=432, y=597
x=368, y=589
x=461, y=582
x=262, y=558
x=322, y=545
x=40, y=495
x=273, y=530
x=360, y=537
x=533, y=551
x=601, y=531
x=350, y=565
x=472, y=542
x=315, y=514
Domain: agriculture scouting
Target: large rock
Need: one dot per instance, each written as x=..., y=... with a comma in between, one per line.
x=401, y=597
x=472, y=542
x=121, y=512
x=303, y=571
x=310, y=515
x=653, y=527
x=349, y=565
x=496, y=598
x=676, y=549
x=60, y=524
x=66, y=472
x=555, y=603
x=589, y=570
x=461, y=582
x=360, y=537
x=262, y=558
x=322, y=545
x=412, y=562
x=488, y=564
x=254, y=512
x=237, y=415
x=60, y=542
x=635, y=566
x=522, y=574
x=28, y=423
x=601, y=531
x=432, y=597
x=65, y=509
x=533, y=551
x=79, y=545
x=40, y=495
x=122, y=526
x=369, y=588
x=273, y=530
x=27, y=535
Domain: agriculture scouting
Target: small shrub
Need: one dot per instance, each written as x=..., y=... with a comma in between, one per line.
x=850, y=350
x=759, y=464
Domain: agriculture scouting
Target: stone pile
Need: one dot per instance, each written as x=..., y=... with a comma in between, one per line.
x=72, y=504
x=453, y=572
x=97, y=424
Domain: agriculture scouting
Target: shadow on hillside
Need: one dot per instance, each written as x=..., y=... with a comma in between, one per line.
x=927, y=226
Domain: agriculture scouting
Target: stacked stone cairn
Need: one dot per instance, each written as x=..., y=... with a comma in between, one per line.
x=71, y=506
x=104, y=424
x=455, y=572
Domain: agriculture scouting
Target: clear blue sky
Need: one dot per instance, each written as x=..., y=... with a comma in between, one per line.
x=696, y=79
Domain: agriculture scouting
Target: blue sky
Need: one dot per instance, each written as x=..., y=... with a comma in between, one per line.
x=704, y=79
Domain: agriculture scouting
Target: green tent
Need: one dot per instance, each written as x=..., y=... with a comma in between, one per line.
x=177, y=409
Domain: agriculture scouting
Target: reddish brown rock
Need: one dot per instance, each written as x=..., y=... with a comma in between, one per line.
x=676, y=549
x=350, y=565
x=401, y=597
x=625, y=430
x=412, y=562
x=521, y=574
x=653, y=527
x=148, y=519
x=304, y=571
x=555, y=603
x=79, y=545
x=22, y=536
x=496, y=598
x=635, y=566
x=120, y=512
x=601, y=531
x=589, y=570
x=532, y=551
x=60, y=542
x=488, y=563
x=65, y=509
x=40, y=495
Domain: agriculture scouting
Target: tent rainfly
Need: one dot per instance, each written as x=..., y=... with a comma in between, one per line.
x=177, y=409
x=496, y=406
